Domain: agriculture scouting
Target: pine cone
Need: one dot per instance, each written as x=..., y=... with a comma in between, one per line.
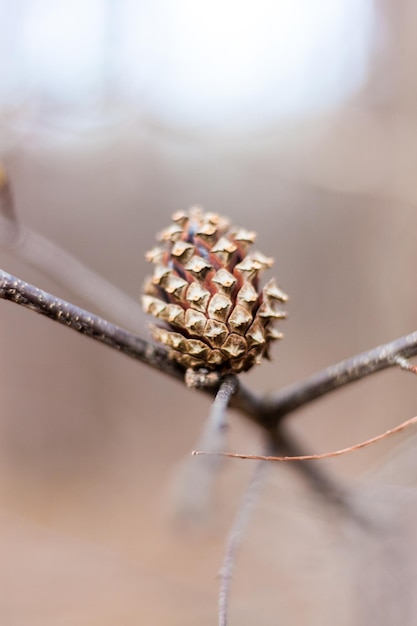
x=205, y=291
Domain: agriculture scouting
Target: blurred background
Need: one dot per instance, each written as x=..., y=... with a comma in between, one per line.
x=296, y=119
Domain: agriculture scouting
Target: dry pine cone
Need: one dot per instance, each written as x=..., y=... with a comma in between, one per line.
x=205, y=291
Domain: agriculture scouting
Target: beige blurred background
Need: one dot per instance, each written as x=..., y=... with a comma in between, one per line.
x=89, y=440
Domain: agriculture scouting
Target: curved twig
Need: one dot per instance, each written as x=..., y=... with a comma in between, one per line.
x=314, y=457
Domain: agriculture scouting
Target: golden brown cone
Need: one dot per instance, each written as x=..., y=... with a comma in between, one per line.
x=205, y=294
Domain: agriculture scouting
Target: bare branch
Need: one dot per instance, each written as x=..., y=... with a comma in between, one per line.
x=86, y=323
x=295, y=396
x=217, y=417
x=267, y=411
x=18, y=291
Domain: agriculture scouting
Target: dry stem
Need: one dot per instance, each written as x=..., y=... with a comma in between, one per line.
x=316, y=457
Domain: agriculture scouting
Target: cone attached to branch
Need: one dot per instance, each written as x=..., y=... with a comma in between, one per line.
x=205, y=294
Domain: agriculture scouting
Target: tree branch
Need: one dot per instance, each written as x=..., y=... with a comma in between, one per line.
x=267, y=411
x=86, y=323
x=289, y=399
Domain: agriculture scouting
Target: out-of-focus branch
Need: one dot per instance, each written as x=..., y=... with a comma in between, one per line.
x=193, y=481
x=234, y=541
x=267, y=411
x=282, y=442
x=55, y=262
x=9, y=226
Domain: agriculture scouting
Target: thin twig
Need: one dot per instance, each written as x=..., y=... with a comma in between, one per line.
x=316, y=457
x=234, y=541
x=291, y=398
x=267, y=411
x=217, y=418
x=215, y=427
x=86, y=323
